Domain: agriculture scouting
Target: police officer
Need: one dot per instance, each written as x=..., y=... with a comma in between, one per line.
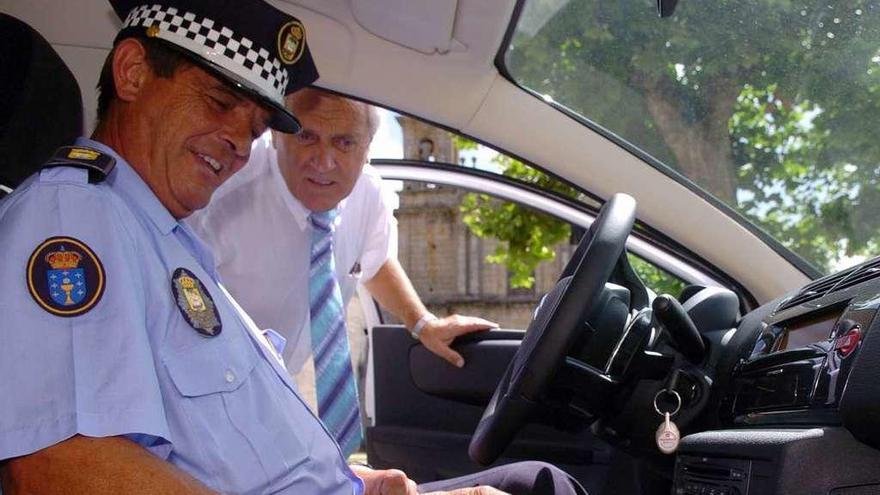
x=125, y=366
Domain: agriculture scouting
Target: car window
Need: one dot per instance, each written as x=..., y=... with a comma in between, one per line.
x=768, y=106
x=468, y=252
x=458, y=267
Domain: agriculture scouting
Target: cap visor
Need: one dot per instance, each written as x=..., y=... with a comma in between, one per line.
x=280, y=118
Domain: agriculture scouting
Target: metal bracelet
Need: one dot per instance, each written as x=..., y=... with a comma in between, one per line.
x=416, y=331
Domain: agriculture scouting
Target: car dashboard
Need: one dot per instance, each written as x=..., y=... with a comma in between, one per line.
x=800, y=412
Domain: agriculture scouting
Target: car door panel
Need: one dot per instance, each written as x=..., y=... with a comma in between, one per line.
x=486, y=355
x=429, y=410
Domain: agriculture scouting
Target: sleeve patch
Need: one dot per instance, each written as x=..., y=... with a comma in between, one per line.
x=65, y=277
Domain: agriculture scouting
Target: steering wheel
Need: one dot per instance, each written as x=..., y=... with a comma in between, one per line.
x=558, y=320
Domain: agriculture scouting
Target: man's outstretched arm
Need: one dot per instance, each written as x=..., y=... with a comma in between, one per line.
x=394, y=291
x=95, y=466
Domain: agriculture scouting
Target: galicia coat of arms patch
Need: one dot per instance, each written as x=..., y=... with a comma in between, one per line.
x=195, y=303
x=65, y=277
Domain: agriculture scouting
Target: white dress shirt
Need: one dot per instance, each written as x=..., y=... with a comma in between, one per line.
x=261, y=241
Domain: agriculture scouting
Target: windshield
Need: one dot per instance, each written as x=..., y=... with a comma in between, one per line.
x=771, y=106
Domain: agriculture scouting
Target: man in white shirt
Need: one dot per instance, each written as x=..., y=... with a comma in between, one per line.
x=257, y=224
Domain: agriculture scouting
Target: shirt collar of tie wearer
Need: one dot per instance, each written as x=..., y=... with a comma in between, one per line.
x=324, y=220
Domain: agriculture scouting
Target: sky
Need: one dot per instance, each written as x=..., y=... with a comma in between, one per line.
x=388, y=142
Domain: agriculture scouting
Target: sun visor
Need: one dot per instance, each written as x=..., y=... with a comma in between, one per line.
x=423, y=25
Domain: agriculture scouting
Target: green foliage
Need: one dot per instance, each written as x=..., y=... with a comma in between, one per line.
x=770, y=105
x=463, y=143
x=527, y=237
x=798, y=197
x=656, y=279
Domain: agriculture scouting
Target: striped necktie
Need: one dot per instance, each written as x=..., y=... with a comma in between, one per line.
x=334, y=378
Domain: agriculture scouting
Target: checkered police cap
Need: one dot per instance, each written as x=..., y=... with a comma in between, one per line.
x=253, y=45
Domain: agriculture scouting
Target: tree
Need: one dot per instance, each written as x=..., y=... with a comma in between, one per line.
x=528, y=237
x=770, y=105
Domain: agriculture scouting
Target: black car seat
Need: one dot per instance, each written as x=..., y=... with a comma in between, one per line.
x=40, y=102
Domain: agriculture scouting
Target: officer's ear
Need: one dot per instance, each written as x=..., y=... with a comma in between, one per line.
x=130, y=68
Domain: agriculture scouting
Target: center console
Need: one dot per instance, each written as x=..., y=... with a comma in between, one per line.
x=802, y=461
x=798, y=369
x=802, y=412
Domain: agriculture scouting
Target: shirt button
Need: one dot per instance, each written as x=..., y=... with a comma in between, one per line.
x=230, y=376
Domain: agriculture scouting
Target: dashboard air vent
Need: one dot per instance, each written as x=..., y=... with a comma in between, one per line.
x=865, y=271
x=837, y=281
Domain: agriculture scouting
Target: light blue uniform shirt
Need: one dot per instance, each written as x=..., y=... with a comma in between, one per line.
x=220, y=408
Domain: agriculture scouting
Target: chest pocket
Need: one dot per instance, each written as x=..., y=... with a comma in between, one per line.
x=206, y=440
x=223, y=408
x=210, y=369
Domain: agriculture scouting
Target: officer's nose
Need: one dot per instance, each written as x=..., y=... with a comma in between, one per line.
x=239, y=131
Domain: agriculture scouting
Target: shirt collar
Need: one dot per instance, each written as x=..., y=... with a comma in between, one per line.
x=129, y=184
x=198, y=248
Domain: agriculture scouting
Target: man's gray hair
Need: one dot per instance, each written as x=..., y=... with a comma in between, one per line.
x=373, y=119
x=308, y=98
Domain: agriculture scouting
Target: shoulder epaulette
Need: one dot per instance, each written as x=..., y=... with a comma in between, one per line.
x=98, y=164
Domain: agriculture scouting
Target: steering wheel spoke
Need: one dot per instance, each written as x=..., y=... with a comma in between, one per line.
x=559, y=322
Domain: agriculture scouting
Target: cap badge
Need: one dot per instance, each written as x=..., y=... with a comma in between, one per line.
x=291, y=42
x=195, y=303
x=153, y=31
x=65, y=277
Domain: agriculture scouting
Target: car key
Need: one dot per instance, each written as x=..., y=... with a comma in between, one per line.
x=667, y=436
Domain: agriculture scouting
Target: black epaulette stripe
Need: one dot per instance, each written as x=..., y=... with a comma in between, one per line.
x=98, y=164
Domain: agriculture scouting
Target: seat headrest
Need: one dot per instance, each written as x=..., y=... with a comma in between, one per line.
x=40, y=98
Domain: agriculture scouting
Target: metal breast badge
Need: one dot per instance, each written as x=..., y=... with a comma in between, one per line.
x=195, y=303
x=668, y=436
